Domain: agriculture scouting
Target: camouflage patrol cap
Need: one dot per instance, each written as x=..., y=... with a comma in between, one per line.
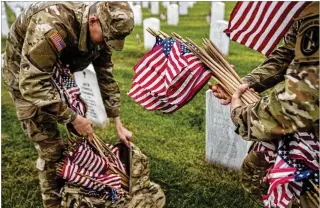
x=117, y=22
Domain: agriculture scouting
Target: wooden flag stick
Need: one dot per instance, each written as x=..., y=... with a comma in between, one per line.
x=315, y=187
x=164, y=34
x=105, y=147
x=217, y=52
x=222, y=58
x=312, y=199
x=218, y=72
x=123, y=176
x=248, y=95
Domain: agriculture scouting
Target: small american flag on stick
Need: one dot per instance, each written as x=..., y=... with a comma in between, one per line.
x=168, y=76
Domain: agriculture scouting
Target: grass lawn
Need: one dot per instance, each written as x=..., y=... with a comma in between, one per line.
x=175, y=144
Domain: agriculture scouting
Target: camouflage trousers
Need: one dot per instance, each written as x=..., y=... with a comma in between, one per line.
x=43, y=132
x=254, y=168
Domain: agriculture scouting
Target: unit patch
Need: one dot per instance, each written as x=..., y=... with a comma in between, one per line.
x=310, y=41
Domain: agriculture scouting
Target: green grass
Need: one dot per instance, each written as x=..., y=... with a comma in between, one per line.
x=175, y=144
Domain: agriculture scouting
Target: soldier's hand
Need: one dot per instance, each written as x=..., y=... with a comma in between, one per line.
x=236, y=101
x=219, y=93
x=124, y=134
x=83, y=126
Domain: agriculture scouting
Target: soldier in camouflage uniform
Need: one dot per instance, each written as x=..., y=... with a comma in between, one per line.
x=75, y=35
x=292, y=71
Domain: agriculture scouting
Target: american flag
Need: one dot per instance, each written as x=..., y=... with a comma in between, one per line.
x=57, y=41
x=261, y=25
x=75, y=174
x=68, y=89
x=296, y=162
x=167, y=77
x=85, y=167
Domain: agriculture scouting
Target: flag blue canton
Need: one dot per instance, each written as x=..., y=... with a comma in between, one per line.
x=158, y=41
x=167, y=46
x=303, y=172
x=184, y=49
x=284, y=154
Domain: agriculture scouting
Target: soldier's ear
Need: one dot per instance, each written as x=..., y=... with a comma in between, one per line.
x=93, y=19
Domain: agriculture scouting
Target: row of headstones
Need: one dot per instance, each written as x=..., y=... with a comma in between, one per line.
x=173, y=10
x=154, y=6
x=217, y=26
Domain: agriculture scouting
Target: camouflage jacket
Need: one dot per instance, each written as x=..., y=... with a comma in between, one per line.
x=43, y=34
x=293, y=72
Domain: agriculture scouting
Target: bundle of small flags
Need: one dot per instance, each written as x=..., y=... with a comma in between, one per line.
x=84, y=166
x=68, y=89
x=94, y=166
x=168, y=76
x=294, y=169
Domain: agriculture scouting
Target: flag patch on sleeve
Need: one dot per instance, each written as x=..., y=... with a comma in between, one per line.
x=57, y=41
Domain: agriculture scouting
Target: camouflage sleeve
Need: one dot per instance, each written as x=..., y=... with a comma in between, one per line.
x=273, y=69
x=39, y=56
x=291, y=105
x=109, y=88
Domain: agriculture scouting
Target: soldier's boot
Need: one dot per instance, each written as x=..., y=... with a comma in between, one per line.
x=253, y=170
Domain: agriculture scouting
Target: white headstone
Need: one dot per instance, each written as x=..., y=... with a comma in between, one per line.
x=218, y=37
x=190, y=4
x=183, y=8
x=150, y=40
x=165, y=4
x=145, y=4
x=154, y=7
x=90, y=92
x=4, y=21
x=173, y=14
x=137, y=13
x=223, y=145
x=217, y=11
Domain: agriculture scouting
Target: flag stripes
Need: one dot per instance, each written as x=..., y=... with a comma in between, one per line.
x=296, y=159
x=167, y=77
x=88, y=179
x=85, y=167
x=261, y=25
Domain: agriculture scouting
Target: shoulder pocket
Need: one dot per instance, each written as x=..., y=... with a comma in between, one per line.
x=43, y=56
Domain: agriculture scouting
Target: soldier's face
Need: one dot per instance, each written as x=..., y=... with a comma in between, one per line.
x=95, y=30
